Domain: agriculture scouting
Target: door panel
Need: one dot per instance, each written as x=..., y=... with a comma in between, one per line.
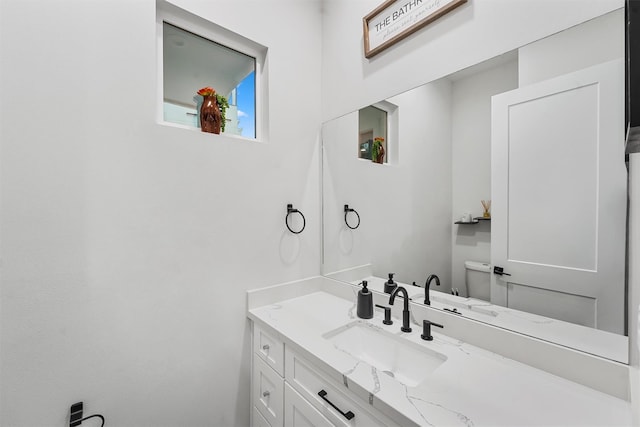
x=552, y=194
x=576, y=309
x=559, y=197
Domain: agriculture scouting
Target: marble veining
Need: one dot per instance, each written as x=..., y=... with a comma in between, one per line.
x=345, y=374
x=376, y=382
x=410, y=399
x=472, y=387
x=354, y=306
x=460, y=418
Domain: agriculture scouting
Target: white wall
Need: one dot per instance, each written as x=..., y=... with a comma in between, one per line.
x=399, y=215
x=596, y=41
x=471, y=162
x=128, y=246
x=424, y=139
x=472, y=33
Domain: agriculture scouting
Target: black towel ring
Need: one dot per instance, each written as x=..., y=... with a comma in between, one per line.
x=347, y=209
x=291, y=210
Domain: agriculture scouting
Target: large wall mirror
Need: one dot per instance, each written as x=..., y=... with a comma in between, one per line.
x=538, y=131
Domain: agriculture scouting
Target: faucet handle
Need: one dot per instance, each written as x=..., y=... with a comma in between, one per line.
x=387, y=314
x=426, y=329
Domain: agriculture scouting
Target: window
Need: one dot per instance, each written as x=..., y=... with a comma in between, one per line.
x=195, y=53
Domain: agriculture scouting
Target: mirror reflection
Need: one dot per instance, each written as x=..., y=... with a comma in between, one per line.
x=372, y=134
x=556, y=225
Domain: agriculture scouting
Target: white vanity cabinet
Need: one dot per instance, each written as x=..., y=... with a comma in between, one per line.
x=268, y=392
x=267, y=382
x=289, y=390
x=333, y=400
x=299, y=412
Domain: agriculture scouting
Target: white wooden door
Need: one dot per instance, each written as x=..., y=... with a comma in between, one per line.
x=559, y=197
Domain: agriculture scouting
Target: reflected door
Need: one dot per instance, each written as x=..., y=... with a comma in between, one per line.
x=559, y=198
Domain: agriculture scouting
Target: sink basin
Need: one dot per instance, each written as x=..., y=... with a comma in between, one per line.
x=393, y=355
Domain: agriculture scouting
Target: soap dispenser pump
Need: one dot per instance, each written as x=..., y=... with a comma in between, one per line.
x=365, y=302
x=390, y=285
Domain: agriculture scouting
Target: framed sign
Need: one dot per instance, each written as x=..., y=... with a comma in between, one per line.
x=394, y=20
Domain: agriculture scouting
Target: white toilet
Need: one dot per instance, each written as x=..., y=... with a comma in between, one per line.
x=478, y=280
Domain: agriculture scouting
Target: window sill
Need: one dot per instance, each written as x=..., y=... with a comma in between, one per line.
x=197, y=130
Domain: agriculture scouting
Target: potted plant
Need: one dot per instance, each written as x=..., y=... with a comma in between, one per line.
x=223, y=104
x=377, y=152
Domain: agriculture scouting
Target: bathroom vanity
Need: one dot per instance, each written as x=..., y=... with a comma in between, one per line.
x=314, y=362
x=546, y=352
x=589, y=340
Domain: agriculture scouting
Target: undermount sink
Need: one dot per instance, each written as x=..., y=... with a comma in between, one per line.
x=393, y=355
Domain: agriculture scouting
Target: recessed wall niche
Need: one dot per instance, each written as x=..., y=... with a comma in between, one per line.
x=377, y=132
x=194, y=53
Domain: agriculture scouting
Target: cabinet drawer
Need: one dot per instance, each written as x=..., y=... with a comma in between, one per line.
x=309, y=382
x=268, y=392
x=300, y=413
x=269, y=348
x=258, y=419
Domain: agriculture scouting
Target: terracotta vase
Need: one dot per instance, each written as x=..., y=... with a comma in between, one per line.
x=210, y=117
x=380, y=155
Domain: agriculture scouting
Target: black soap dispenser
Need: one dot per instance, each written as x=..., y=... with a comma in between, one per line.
x=390, y=285
x=365, y=302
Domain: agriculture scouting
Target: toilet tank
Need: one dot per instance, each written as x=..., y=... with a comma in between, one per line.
x=478, y=280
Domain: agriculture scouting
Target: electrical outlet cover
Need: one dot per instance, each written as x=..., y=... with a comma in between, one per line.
x=75, y=419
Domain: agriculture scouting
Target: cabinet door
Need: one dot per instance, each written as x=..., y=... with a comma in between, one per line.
x=300, y=413
x=258, y=420
x=269, y=348
x=268, y=392
x=333, y=400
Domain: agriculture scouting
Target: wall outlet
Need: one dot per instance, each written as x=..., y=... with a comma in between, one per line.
x=75, y=418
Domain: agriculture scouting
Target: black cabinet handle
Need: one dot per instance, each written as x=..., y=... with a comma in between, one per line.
x=348, y=415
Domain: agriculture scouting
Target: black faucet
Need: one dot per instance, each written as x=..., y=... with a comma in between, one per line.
x=387, y=314
x=427, y=301
x=426, y=329
x=405, y=312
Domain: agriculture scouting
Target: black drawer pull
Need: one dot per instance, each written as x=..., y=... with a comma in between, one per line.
x=348, y=415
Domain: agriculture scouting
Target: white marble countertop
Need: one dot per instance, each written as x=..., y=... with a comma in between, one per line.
x=473, y=387
x=593, y=341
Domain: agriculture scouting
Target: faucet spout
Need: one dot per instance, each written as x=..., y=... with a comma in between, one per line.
x=405, y=312
x=427, y=285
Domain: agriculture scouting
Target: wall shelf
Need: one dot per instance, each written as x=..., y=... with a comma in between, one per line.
x=475, y=220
